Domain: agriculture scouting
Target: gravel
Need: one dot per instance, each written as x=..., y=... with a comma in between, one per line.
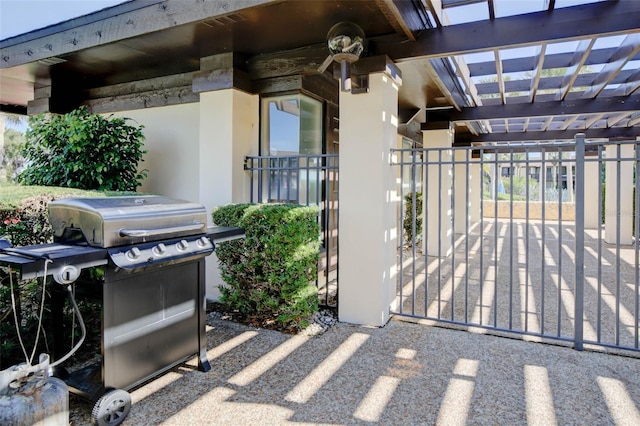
x=403, y=373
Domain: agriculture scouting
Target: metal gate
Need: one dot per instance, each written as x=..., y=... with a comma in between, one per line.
x=306, y=180
x=537, y=240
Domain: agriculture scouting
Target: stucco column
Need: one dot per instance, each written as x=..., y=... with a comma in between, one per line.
x=462, y=190
x=368, y=202
x=591, y=210
x=228, y=132
x=437, y=193
x=626, y=195
x=475, y=191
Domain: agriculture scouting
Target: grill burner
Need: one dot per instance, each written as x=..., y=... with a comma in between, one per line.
x=153, y=293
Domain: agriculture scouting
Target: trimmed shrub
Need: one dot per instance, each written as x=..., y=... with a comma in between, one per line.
x=270, y=274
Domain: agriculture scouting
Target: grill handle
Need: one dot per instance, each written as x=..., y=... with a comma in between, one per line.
x=196, y=226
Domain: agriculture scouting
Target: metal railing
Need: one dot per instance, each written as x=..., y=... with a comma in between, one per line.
x=305, y=180
x=519, y=254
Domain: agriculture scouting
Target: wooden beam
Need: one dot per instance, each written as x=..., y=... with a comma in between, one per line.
x=141, y=86
x=273, y=86
x=306, y=60
x=627, y=50
x=501, y=91
x=435, y=7
x=537, y=71
x=554, y=60
x=554, y=82
x=13, y=109
x=571, y=73
x=318, y=86
x=374, y=64
x=38, y=106
x=549, y=135
x=546, y=109
x=406, y=17
x=572, y=23
x=565, y=24
x=116, y=24
x=630, y=85
x=141, y=100
x=220, y=79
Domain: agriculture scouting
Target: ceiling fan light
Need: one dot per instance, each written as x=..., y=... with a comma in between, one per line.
x=345, y=41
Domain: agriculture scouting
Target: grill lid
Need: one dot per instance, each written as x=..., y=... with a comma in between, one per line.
x=116, y=221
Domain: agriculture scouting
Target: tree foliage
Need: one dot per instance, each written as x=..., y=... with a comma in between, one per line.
x=83, y=150
x=12, y=159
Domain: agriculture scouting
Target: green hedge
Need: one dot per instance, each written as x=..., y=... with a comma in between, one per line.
x=24, y=221
x=270, y=274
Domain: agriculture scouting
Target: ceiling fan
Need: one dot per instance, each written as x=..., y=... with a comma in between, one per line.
x=345, y=41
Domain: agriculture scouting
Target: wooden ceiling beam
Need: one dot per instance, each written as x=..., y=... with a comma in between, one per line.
x=124, y=21
x=406, y=17
x=627, y=50
x=554, y=60
x=537, y=72
x=546, y=109
x=624, y=77
x=549, y=135
x=633, y=121
x=501, y=91
x=630, y=85
x=565, y=24
x=571, y=73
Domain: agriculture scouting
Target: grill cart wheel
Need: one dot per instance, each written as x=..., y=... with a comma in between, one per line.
x=112, y=408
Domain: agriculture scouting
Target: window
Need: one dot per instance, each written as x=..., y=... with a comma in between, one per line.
x=508, y=171
x=291, y=125
x=292, y=130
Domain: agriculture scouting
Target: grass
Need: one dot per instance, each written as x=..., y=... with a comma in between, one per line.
x=13, y=195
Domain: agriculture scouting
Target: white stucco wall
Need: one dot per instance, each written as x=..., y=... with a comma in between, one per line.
x=196, y=152
x=172, y=141
x=229, y=122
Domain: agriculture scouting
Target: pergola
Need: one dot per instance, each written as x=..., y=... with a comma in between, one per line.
x=539, y=72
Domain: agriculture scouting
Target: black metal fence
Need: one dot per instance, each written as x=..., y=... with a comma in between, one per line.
x=537, y=240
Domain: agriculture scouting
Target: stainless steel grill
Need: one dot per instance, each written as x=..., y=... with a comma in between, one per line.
x=152, y=292
x=139, y=232
x=117, y=221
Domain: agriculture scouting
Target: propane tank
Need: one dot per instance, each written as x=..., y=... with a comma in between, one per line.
x=28, y=396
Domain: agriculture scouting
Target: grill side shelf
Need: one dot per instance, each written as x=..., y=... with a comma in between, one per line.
x=29, y=261
x=219, y=234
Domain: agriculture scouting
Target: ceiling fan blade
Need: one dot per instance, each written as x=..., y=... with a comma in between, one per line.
x=325, y=64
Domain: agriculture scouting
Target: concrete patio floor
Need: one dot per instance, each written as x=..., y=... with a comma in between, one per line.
x=405, y=373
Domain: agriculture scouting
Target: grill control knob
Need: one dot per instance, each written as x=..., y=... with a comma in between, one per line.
x=160, y=249
x=133, y=254
x=182, y=245
x=202, y=242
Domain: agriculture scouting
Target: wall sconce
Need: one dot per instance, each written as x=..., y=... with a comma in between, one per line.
x=345, y=41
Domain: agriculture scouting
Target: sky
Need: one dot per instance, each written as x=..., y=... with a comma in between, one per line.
x=21, y=16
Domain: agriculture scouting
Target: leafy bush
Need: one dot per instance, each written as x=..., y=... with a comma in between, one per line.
x=83, y=150
x=269, y=274
x=407, y=223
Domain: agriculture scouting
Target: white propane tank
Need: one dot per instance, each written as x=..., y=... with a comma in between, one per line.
x=28, y=396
